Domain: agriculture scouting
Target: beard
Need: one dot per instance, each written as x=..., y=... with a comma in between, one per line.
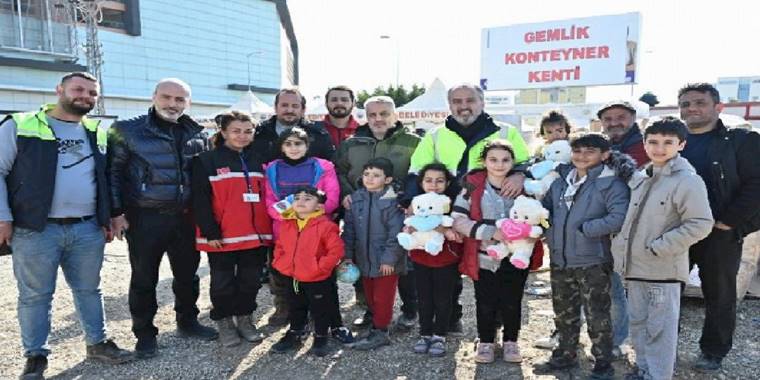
x=168, y=116
x=70, y=106
x=465, y=121
x=339, y=112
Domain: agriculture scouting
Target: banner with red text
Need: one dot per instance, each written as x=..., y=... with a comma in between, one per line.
x=589, y=51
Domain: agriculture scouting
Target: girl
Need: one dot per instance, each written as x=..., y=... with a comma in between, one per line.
x=554, y=126
x=436, y=276
x=232, y=225
x=498, y=284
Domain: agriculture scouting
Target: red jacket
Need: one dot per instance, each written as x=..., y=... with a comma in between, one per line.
x=218, y=185
x=451, y=254
x=309, y=255
x=338, y=135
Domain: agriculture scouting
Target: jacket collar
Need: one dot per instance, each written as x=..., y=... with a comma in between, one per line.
x=184, y=121
x=633, y=136
x=364, y=131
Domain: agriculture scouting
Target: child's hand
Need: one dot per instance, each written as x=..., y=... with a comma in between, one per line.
x=215, y=243
x=348, y=261
x=346, y=202
x=386, y=270
x=452, y=235
x=498, y=235
x=409, y=229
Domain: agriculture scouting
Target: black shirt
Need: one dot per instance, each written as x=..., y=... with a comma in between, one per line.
x=696, y=149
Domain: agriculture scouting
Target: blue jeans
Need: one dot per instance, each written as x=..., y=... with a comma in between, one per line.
x=618, y=311
x=78, y=250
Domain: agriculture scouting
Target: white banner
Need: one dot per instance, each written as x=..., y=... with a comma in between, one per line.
x=588, y=51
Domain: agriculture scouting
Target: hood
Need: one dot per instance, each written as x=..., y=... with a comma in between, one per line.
x=290, y=214
x=676, y=165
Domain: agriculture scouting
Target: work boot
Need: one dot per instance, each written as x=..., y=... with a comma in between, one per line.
x=195, y=329
x=289, y=342
x=146, y=347
x=34, y=368
x=560, y=360
x=376, y=338
x=708, y=363
x=247, y=329
x=228, y=335
x=108, y=352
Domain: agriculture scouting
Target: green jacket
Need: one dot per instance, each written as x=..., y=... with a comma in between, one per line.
x=363, y=146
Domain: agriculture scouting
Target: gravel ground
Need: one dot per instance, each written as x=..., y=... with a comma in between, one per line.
x=181, y=358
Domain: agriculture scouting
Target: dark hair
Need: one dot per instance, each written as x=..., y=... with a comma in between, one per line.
x=381, y=163
x=224, y=119
x=497, y=144
x=554, y=117
x=296, y=132
x=703, y=88
x=321, y=196
x=668, y=126
x=436, y=167
x=292, y=91
x=79, y=74
x=590, y=140
x=339, y=88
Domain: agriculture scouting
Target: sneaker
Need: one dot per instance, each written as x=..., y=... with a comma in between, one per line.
x=422, y=346
x=456, y=328
x=320, y=347
x=365, y=320
x=548, y=343
x=511, y=352
x=194, y=329
x=484, y=353
x=406, y=322
x=108, y=352
x=437, y=346
x=247, y=329
x=559, y=360
x=375, y=339
x=707, y=363
x=34, y=368
x=343, y=335
x=602, y=371
x=289, y=342
x=146, y=347
x=228, y=335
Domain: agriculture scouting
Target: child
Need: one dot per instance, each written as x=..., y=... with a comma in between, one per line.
x=498, y=284
x=587, y=204
x=370, y=229
x=307, y=252
x=436, y=276
x=233, y=225
x=554, y=126
x=669, y=211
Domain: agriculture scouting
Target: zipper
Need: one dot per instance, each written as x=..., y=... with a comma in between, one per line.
x=369, y=220
x=295, y=251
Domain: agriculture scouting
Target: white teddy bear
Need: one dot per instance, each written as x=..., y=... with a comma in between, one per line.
x=558, y=152
x=430, y=211
x=520, y=230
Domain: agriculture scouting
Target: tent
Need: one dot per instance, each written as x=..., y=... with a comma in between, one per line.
x=432, y=106
x=252, y=104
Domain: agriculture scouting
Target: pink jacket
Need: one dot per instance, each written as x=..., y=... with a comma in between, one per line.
x=327, y=182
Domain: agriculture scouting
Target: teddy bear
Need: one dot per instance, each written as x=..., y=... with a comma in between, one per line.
x=520, y=230
x=430, y=211
x=543, y=172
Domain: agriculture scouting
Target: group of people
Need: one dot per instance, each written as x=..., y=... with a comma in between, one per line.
x=635, y=208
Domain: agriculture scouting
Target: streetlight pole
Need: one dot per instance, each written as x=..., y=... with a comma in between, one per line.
x=248, y=61
x=398, y=53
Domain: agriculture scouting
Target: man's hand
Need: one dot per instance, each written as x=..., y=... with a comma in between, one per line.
x=108, y=234
x=216, y=244
x=346, y=202
x=119, y=226
x=719, y=225
x=512, y=186
x=6, y=232
x=386, y=270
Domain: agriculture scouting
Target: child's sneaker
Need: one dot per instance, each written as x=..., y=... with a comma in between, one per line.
x=512, y=352
x=289, y=342
x=406, y=322
x=422, y=345
x=484, y=353
x=437, y=346
x=549, y=342
x=376, y=338
x=343, y=335
x=320, y=347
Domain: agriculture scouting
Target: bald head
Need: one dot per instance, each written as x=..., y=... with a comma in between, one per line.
x=170, y=98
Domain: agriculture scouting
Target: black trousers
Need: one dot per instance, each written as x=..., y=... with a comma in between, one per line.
x=718, y=257
x=235, y=281
x=310, y=299
x=337, y=319
x=150, y=234
x=499, y=292
x=407, y=291
x=435, y=290
x=456, y=307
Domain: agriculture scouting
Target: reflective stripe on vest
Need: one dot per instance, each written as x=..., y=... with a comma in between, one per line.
x=30, y=124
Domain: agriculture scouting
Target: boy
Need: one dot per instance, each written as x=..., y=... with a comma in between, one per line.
x=307, y=252
x=669, y=211
x=587, y=204
x=370, y=229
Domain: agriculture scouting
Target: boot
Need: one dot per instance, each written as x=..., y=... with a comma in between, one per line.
x=280, y=316
x=228, y=335
x=291, y=341
x=376, y=338
x=247, y=329
x=319, y=348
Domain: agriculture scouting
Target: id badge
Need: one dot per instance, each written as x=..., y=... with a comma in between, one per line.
x=250, y=197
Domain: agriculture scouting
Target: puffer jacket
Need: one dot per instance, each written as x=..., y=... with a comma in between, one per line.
x=310, y=254
x=668, y=212
x=580, y=236
x=370, y=229
x=398, y=146
x=144, y=169
x=265, y=140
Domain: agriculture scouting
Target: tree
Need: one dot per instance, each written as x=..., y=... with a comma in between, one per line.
x=649, y=98
x=399, y=94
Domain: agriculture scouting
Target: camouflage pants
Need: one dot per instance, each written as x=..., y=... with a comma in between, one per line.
x=590, y=287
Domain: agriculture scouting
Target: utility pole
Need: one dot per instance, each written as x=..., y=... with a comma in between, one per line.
x=92, y=14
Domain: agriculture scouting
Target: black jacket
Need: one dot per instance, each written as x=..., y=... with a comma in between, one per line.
x=733, y=180
x=144, y=167
x=265, y=140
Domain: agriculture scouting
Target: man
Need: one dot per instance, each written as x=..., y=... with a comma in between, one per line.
x=150, y=193
x=619, y=124
x=339, y=122
x=382, y=136
x=725, y=159
x=54, y=211
x=458, y=144
x=289, y=106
